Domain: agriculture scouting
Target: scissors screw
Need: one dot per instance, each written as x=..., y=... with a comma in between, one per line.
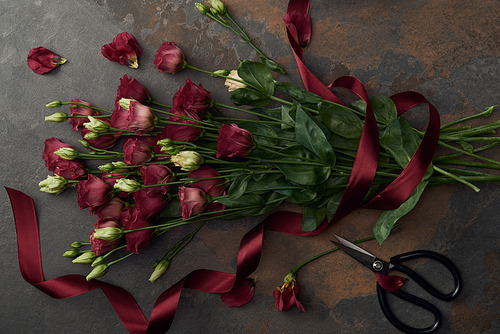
x=377, y=265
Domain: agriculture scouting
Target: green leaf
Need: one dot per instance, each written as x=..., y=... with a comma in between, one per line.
x=238, y=186
x=288, y=117
x=269, y=136
x=303, y=174
x=333, y=203
x=273, y=198
x=172, y=209
x=245, y=201
x=358, y=105
x=466, y=146
x=400, y=140
x=340, y=120
x=384, y=109
x=272, y=65
x=348, y=146
x=312, y=137
x=257, y=75
x=249, y=97
x=312, y=217
x=386, y=222
x=297, y=93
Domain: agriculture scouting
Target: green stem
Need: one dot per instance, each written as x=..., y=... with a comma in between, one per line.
x=160, y=104
x=456, y=178
x=485, y=113
x=468, y=153
x=120, y=259
x=456, y=155
x=85, y=106
x=249, y=112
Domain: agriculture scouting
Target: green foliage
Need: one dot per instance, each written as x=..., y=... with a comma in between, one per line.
x=340, y=120
x=250, y=97
x=400, y=141
x=384, y=109
x=303, y=174
x=257, y=75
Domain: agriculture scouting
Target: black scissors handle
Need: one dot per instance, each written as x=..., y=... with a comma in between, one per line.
x=397, y=266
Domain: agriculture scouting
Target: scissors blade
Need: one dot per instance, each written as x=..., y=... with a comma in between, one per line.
x=356, y=252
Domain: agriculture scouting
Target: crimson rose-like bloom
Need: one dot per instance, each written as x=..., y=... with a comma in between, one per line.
x=140, y=119
x=77, y=110
x=300, y=27
x=70, y=169
x=112, y=210
x=100, y=246
x=42, y=60
x=137, y=150
x=212, y=187
x=193, y=201
x=104, y=141
x=52, y=145
x=123, y=50
x=156, y=174
x=169, y=58
x=132, y=89
x=94, y=193
x=285, y=297
x=234, y=141
x=193, y=98
x=149, y=203
x=180, y=132
x=132, y=219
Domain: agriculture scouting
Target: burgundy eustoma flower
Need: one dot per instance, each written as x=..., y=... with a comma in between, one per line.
x=123, y=50
x=140, y=119
x=285, y=297
x=137, y=150
x=112, y=210
x=104, y=141
x=70, y=169
x=149, y=203
x=300, y=27
x=100, y=246
x=132, y=89
x=77, y=110
x=391, y=283
x=234, y=141
x=193, y=201
x=94, y=193
x=212, y=187
x=169, y=58
x=180, y=132
x=156, y=174
x=42, y=60
x=193, y=98
x=52, y=145
x=118, y=119
x=132, y=219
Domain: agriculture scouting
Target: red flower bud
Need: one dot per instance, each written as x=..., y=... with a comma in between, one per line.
x=137, y=150
x=300, y=27
x=42, y=60
x=132, y=219
x=193, y=98
x=169, y=58
x=93, y=193
x=123, y=50
x=234, y=141
x=100, y=246
x=77, y=110
x=140, y=119
x=193, y=201
x=132, y=89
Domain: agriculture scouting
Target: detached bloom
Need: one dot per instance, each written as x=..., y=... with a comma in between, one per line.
x=42, y=60
x=132, y=89
x=139, y=118
x=169, y=58
x=93, y=193
x=233, y=85
x=187, y=160
x=53, y=184
x=234, y=141
x=285, y=297
x=98, y=271
x=123, y=50
x=77, y=110
x=193, y=98
x=193, y=201
x=300, y=27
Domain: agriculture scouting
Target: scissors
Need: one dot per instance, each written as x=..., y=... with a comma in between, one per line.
x=382, y=267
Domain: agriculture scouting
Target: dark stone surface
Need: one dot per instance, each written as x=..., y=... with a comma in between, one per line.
x=448, y=50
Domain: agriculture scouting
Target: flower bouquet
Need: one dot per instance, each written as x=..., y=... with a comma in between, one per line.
x=160, y=166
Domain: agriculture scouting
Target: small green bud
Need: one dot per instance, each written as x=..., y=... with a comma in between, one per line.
x=72, y=253
x=54, y=104
x=168, y=146
x=76, y=244
x=187, y=160
x=86, y=258
x=120, y=166
x=98, y=260
x=160, y=268
x=218, y=6
x=91, y=136
x=125, y=103
x=58, y=117
x=109, y=233
x=67, y=153
x=96, y=125
x=107, y=168
x=53, y=184
x=202, y=7
x=84, y=143
x=98, y=271
x=127, y=185
x=220, y=73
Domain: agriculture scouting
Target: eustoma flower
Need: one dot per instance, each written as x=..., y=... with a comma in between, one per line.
x=193, y=201
x=134, y=219
x=78, y=110
x=93, y=193
x=100, y=246
x=132, y=89
x=193, y=98
x=137, y=151
x=123, y=50
x=300, y=27
x=69, y=169
x=42, y=60
x=138, y=118
x=213, y=185
x=234, y=141
x=169, y=58
x=285, y=297
x=235, y=84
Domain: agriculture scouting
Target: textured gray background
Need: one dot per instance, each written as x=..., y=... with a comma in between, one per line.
x=447, y=50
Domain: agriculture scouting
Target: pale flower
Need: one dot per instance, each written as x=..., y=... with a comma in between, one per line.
x=233, y=85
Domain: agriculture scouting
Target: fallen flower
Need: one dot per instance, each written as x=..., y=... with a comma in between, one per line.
x=169, y=58
x=42, y=60
x=285, y=297
x=123, y=50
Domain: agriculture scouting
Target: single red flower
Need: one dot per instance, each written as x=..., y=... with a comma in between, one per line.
x=149, y=203
x=42, y=60
x=285, y=297
x=156, y=174
x=234, y=141
x=132, y=89
x=300, y=27
x=77, y=110
x=104, y=141
x=139, y=118
x=112, y=210
x=212, y=187
x=131, y=219
x=100, y=246
x=193, y=201
x=137, y=150
x=391, y=283
x=169, y=58
x=70, y=169
x=180, y=132
x=52, y=145
x=194, y=99
x=123, y=50
x=94, y=193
